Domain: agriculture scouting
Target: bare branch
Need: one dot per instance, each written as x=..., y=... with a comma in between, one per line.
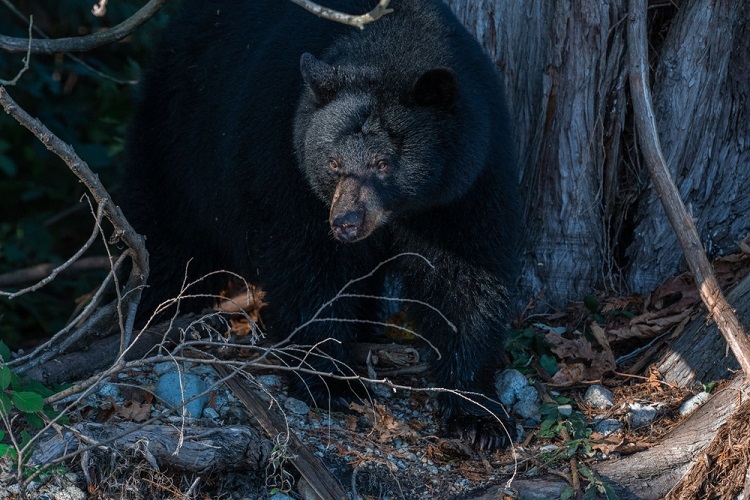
x=681, y=222
x=83, y=43
x=123, y=229
x=360, y=21
x=40, y=271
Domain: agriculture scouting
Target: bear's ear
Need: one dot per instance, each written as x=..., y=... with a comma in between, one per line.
x=319, y=76
x=437, y=87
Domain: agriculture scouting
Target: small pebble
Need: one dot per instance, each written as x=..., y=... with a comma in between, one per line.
x=209, y=412
x=269, y=381
x=296, y=406
x=599, y=397
x=641, y=415
x=607, y=426
x=109, y=391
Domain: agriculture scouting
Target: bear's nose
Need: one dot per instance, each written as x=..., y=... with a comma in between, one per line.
x=346, y=227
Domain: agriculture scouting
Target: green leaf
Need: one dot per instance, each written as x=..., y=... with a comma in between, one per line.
x=567, y=493
x=31, y=385
x=27, y=402
x=549, y=364
x=34, y=420
x=4, y=351
x=4, y=449
x=5, y=405
x=591, y=303
x=5, y=376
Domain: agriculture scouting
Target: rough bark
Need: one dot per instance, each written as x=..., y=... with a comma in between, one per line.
x=700, y=353
x=681, y=223
x=193, y=449
x=563, y=64
x=701, y=89
x=563, y=67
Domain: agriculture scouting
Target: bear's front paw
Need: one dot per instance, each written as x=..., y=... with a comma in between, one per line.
x=483, y=433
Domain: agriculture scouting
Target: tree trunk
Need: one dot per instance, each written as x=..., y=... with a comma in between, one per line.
x=701, y=89
x=564, y=72
x=592, y=218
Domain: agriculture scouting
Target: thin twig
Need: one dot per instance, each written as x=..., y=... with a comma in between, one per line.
x=123, y=230
x=360, y=21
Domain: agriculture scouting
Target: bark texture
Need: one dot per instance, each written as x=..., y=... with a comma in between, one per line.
x=564, y=68
x=564, y=72
x=702, y=105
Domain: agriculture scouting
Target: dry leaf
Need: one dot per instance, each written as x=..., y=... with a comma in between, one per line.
x=137, y=412
x=579, y=360
x=649, y=325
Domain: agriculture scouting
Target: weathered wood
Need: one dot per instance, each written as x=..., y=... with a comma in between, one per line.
x=700, y=353
x=562, y=63
x=201, y=450
x=682, y=223
x=652, y=473
x=308, y=465
x=101, y=353
x=701, y=88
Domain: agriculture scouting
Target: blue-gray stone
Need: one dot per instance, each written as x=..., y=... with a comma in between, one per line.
x=599, y=397
x=171, y=392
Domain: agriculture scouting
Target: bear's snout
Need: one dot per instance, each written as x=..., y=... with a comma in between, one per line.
x=348, y=227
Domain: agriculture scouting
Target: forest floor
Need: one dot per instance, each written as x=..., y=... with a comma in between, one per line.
x=393, y=447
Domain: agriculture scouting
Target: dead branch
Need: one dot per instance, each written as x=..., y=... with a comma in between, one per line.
x=83, y=43
x=379, y=11
x=317, y=476
x=123, y=229
x=194, y=449
x=681, y=222
x=38, y=272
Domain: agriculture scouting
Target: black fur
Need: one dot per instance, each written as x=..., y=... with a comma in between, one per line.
x=300, y=153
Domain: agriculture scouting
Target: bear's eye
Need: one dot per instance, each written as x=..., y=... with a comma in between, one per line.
x=383, y=166
x=333, y=164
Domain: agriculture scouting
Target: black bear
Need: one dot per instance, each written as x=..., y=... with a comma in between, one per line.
x=301, y=153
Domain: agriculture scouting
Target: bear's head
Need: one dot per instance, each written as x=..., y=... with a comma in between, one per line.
x=375, y=146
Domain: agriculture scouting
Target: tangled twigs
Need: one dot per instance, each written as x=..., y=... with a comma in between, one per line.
x=123, y=231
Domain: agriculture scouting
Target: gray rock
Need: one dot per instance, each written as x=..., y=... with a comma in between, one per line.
x=509, y=384
x=209, y=412
x=607, y=426
x=296, y=406
x=171, y=392
x=109, y=391
x=599, y=397
x=269, y=381
x=641, y=415
x=515, y=392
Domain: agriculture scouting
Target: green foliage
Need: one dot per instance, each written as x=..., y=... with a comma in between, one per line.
x=523, y=345
x=25, y=397
x=42, y=219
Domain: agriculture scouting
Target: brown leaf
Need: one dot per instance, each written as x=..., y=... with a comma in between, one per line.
x=250, y=300
x=579, y=359
x=606, y=444
x=137, y=412
x=649, y=325
x=384, y=424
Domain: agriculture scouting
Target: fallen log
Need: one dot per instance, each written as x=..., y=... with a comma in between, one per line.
x=200, y=450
